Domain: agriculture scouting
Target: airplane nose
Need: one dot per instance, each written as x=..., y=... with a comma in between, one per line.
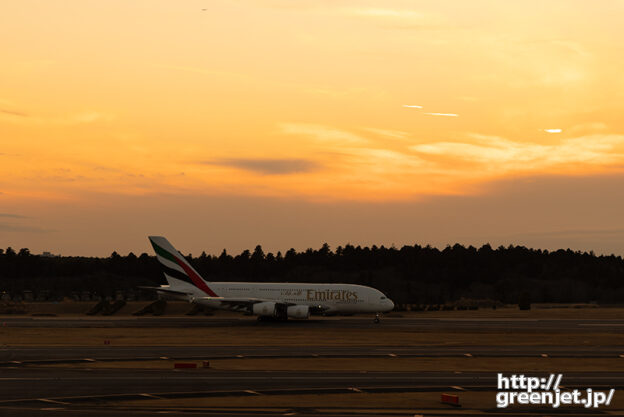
x=388, y=305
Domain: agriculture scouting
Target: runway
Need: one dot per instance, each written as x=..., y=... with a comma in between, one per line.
x=23, y=384
x=63, y=354
x=412, y=323
x=63, y=380
x=99, y=391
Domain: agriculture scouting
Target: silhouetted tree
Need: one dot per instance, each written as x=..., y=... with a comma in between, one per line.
x=410, y=274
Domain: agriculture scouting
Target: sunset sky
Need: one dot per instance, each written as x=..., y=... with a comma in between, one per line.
x=226, y=124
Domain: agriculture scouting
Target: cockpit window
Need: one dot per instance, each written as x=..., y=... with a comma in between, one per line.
x=383, y=298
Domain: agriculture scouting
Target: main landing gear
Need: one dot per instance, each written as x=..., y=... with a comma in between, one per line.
x=377, y=319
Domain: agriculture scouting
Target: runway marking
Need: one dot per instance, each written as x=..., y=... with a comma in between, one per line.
x=468, y=355
x=47, y=400
x=488, y=319
x=128, y=378
x=544, y=355
x=355, y=389
x=392, y=355
x=248, y=391
x=150, y=396
x=456, y=387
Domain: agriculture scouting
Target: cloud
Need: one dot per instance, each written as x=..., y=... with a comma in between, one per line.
x=412, y=106
x=571, y=46
x=205, y=71
x=579, y=232
x=587, y=128
x=13, y=216
x=501, y=154
x=443, y=114
x=280, y=166
x=404, y=17
x=383, y=161
x=553, y=130
x=20, y=228
x=79, y=118
x=13, y=113
x=394, y=134
x=470, y=99
x=322, y=133
x=9, y=114
x=88, y=117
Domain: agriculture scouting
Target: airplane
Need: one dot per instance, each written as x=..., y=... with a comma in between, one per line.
x=272, y=300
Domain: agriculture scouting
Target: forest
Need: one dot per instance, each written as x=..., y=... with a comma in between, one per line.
x=409, y=275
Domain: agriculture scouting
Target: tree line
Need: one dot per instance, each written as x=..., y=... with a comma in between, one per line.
x=410, y=274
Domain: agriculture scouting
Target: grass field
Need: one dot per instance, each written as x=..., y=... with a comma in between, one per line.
x=274, y=336
x=302, y=333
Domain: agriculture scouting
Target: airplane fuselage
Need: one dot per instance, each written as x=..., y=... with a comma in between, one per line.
x=331, y=298
x=343, y=298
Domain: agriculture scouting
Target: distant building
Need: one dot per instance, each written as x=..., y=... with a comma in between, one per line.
x=49, y=255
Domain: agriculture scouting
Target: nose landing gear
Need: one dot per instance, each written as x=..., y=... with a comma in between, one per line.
x=377, y=319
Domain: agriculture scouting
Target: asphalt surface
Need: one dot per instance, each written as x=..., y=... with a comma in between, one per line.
x=42, y=390
x=34, y=383
x=116, y=411
x=43, y=383
x=43, y=354
x=413, y=323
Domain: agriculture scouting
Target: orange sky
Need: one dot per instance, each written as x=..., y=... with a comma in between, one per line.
x=110, y=103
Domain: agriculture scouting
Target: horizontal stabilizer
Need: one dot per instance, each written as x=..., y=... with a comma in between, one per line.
x=167, y=290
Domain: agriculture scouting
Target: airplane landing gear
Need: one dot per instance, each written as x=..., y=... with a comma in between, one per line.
x=376, y=320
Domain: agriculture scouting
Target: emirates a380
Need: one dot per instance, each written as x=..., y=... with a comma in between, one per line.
x=277, y=300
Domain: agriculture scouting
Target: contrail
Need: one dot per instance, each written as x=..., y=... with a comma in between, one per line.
x=443, y=114
x=412, y=106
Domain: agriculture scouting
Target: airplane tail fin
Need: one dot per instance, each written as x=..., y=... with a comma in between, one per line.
x=176, y=267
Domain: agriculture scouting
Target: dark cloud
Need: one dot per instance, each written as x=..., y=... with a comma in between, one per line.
x=13, y=216
x=7, y=227
x=10, y=226
x=578, y=233
x=13, y=113
x=268, y=166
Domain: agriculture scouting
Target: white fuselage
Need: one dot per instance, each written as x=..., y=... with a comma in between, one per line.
x=331, y=298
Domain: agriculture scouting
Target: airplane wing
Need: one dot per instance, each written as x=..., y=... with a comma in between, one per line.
x=233, y=303
x=245, y=303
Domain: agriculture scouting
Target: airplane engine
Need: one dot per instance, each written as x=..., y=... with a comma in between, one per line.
x=298, y=312
x=265, y=308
